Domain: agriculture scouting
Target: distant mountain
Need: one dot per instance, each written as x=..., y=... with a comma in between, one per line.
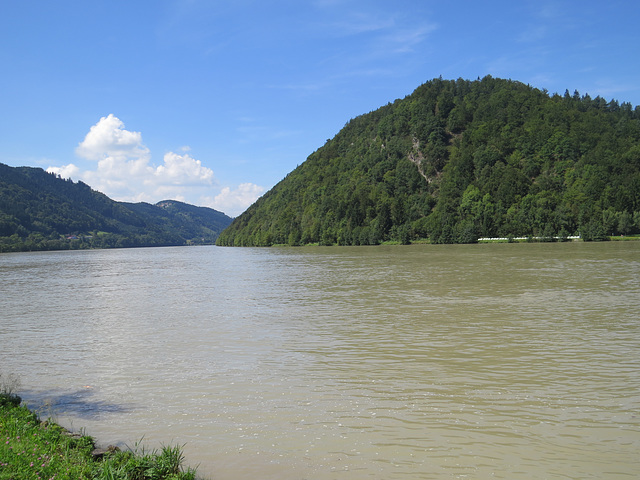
x=195, y=224
x=458, y=160
x=40, y=211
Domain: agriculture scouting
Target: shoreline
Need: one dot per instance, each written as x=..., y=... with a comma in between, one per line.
x=483, y=240
x=42, y=449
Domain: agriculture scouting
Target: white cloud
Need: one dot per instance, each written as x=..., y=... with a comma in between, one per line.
x=234, y=202
x=108, y=138
x=66, y=171
x=124, y=172
x=183, y=170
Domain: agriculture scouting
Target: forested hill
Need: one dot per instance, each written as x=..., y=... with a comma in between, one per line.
x=458, y=160
x=40, y=211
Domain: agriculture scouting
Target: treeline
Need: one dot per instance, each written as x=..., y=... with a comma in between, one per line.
x=459, y=160
x=41, y=211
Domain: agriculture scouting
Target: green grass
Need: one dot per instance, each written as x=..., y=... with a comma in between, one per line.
x=31, y=449
x=624, y=238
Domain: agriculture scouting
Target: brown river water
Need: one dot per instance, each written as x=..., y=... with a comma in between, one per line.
x=503, y=361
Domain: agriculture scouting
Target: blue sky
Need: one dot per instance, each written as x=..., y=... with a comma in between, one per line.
x=214, y=102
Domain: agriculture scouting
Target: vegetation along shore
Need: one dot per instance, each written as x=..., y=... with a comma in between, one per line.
x=32, y=449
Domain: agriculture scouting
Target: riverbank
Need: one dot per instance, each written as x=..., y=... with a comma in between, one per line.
x=576, y=238
x=510, y=239
x=33, y=449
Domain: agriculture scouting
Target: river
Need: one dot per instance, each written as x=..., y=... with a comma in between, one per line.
x=501, y=361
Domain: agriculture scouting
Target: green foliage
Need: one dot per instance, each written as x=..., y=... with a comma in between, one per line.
x=459, y=160
x=39, y=211
x=8, y=385
x=128, y=465
x=31, y=449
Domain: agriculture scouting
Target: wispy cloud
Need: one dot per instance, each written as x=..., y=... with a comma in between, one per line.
x=403, y=40
x=251, y=130
x=327, y=3
x=548, y=20
x=547, y=10
x=609, y=88
x=534, y=33
x=358, y=23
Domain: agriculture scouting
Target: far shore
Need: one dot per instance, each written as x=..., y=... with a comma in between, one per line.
x=484, y=240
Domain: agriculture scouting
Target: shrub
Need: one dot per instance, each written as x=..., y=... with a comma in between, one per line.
x=8, y=384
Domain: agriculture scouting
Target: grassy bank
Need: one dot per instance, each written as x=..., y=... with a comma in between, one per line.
x=32, y=449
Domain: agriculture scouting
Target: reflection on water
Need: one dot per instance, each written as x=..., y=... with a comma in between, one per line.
x=81, y=403
x=483, y=361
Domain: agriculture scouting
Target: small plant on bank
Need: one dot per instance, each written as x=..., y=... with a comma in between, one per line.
x=31, y=449
x=8, y=385
x=165, y=464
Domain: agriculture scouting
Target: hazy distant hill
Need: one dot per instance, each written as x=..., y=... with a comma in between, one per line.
x=40, y=211
x=197, y=224
x=458, y=160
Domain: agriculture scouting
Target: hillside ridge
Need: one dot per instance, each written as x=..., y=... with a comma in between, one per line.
x=41, y=211
x=457, y=160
